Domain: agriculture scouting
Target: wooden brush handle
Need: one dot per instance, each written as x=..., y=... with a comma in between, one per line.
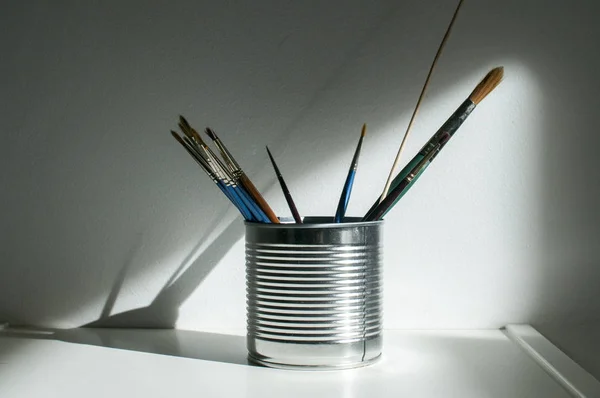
x=258, y=198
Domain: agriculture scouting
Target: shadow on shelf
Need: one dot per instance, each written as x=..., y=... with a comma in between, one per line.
x=206, y=346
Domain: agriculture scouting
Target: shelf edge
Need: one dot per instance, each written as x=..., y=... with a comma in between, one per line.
x=566, y=372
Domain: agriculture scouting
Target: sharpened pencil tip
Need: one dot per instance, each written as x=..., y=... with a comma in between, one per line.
x=364, y=130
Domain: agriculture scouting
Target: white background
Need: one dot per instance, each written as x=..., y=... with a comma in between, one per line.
x=106, y=221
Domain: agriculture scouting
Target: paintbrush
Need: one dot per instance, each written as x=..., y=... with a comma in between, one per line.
x=447, y=131
x=225, y=186
x=401, y=188
x=286, y=191
x=235, y=189
x=257, y=213
x=418, y=105
x=238, y=173
x=194, y=141
x=347, y=190
x=222, y=171
x=204, y=165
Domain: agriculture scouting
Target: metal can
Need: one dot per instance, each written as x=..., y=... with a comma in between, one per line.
x=314, y=293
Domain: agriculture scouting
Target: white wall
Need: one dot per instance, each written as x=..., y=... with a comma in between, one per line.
x=106, y=221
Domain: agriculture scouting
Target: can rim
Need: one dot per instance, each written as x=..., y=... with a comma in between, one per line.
x=316, y=222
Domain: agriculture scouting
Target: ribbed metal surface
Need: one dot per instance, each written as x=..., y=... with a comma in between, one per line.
x=314, y=284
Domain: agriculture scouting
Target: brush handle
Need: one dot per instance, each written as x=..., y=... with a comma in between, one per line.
x=221, y=170
x=347, y=190
x=238, y=174
x=345, y=197
x=242, y=209
x=262, y=217
x=287, y=195
x=227, y=191
x=204, y=165
x=404, y=191
x=233, y=191
x=441, y=138
x=255, y=194
x=382, y=207
x=257, y=213
x=286, y=192
x=404, y=186
x=394, y=196
x=450, y=126
x=290, y=202
x=401, y=176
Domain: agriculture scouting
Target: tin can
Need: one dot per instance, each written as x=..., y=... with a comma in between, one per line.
x=314, y=293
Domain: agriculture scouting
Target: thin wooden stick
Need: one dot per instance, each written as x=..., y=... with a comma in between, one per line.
x=412, y=118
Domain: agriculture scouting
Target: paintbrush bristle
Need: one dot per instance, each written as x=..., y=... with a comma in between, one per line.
x=189, y=131
x=210, y=133
x=364, y=130
x=197, y=137
x=177, y=137
x=489, y=82
x=183, y=121
x=184, y=130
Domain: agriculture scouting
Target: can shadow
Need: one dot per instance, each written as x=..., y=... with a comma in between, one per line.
x=163, y=311
x=214, y=347
x=150, y=329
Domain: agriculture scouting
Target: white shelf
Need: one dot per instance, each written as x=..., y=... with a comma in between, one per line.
x=173, y=363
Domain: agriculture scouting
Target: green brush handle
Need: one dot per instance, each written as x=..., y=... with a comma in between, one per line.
x=406, y=189
x=401, y=176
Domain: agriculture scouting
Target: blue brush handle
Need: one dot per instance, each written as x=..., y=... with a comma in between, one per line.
x=345, y=197
x=256, y=211
x=233, y=200
x=243, y=207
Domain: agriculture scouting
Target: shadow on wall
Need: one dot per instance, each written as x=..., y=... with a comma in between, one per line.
x=320, y=68
x=136, y=63
x=163, y=310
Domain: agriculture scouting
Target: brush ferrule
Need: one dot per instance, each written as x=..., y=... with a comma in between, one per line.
x=354, y=164
x=429, y=147
x=422, y=164
x=237, y=174
x=233, y=166
x=198, y=157
x=203, y=163
x=206, y=169
x=218, y=167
